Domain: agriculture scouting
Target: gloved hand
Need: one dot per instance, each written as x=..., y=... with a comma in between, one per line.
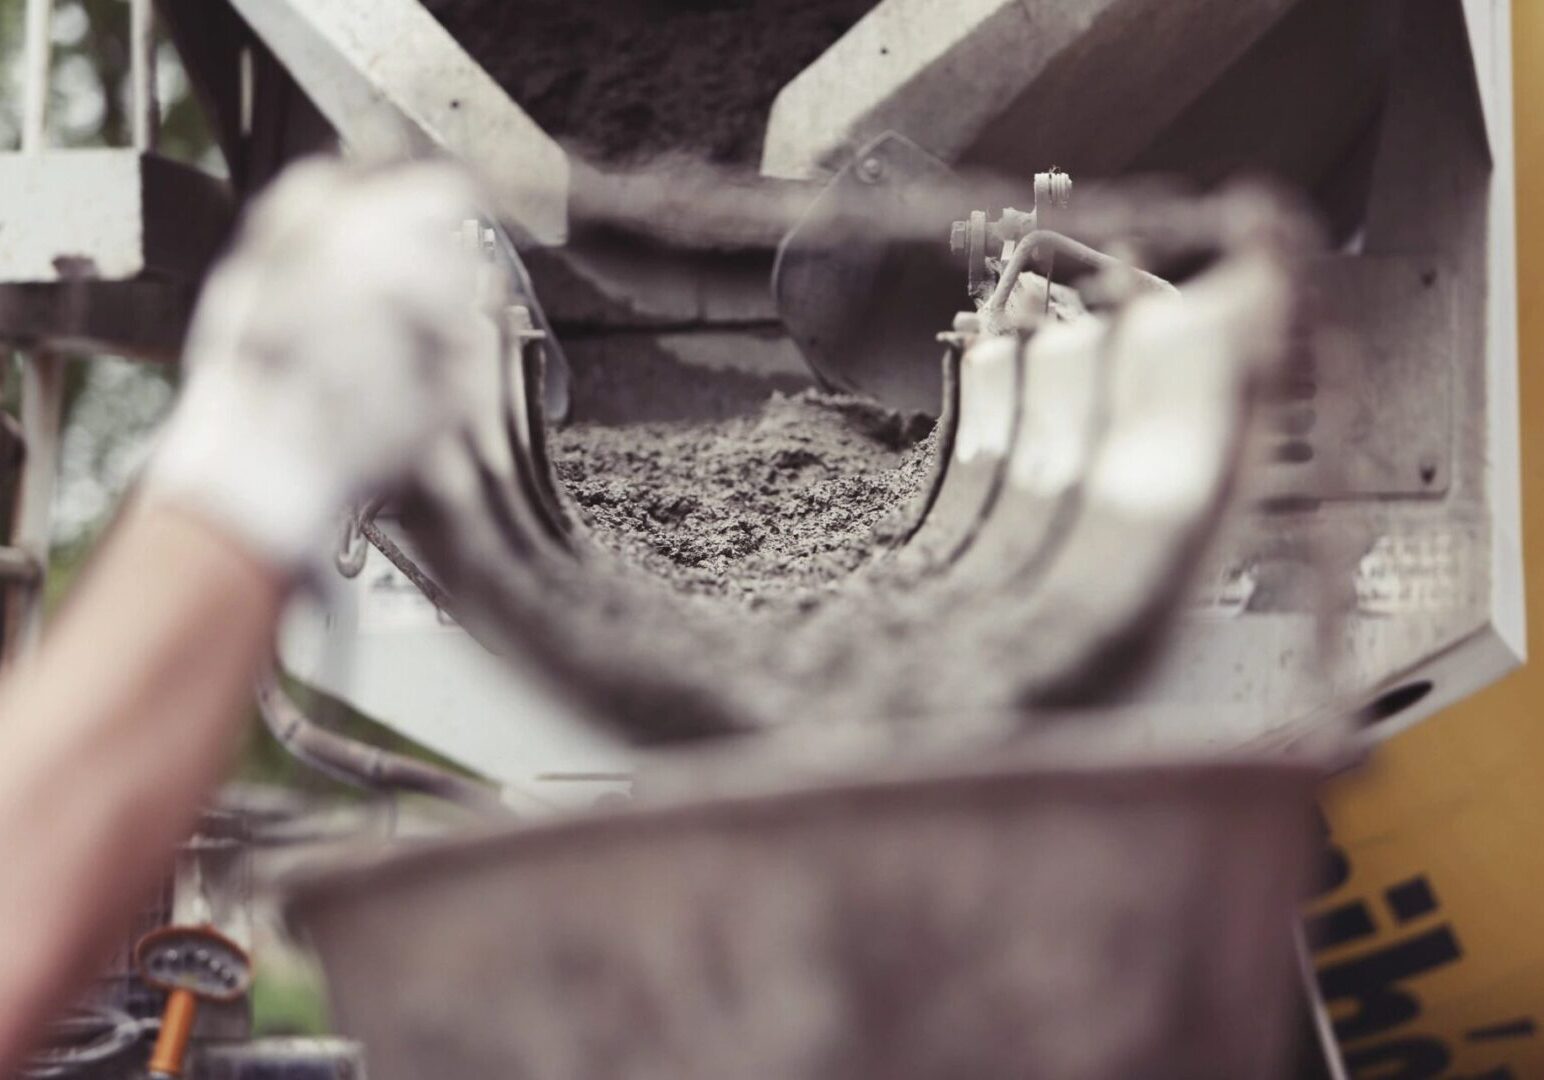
x=331, y=347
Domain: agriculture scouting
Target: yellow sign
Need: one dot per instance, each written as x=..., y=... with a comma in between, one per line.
x=1430, y=947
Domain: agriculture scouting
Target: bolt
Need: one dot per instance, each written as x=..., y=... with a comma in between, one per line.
x=1053, y=188
x=871, y=170
x=520, y=325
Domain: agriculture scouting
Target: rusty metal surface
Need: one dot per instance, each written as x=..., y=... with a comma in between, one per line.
x=1001, y=921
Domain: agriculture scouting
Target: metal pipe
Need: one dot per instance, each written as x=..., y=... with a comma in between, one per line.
x=360, y=763
x=37, y=54
x=1057, y=243
x=409, y=569
x=85, y=1042
x=145, y=110
x=42, y=404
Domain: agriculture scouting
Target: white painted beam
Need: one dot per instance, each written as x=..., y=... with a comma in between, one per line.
x=386, y=71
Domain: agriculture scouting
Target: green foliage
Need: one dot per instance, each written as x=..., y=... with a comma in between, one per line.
x=88, y=94
x=288, y=998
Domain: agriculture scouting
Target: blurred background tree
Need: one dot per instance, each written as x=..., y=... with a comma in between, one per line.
x=112, y=405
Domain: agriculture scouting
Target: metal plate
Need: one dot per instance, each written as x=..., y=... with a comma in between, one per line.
x=1371, y=413
x=863, y=306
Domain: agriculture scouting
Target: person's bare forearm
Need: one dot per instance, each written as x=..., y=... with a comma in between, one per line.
x=111, y=738
x=339, y=340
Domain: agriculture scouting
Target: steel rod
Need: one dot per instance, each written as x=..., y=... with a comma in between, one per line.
x=42, y=403
x=409, y=569
x=36, y=62
x=146, y=113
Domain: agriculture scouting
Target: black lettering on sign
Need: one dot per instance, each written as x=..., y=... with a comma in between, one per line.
x=1409, y=900
x=1334, y=871
x=1334, y=867
x=1370, y=982
x=1413, y=1058
x=1338, y=925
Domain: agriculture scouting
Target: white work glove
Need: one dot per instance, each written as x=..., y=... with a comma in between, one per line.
x=330, y=348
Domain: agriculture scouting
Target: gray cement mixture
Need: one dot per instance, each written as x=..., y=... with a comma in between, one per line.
x=772, y=506
x=749, y=574
x=624, y=81
x=725, y=566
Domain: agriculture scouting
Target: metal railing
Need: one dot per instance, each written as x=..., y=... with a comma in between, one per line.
x=24, y=561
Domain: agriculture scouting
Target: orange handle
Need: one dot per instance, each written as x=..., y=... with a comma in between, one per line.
x=176, y=1028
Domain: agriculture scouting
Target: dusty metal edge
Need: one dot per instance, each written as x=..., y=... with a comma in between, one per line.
x=1005, y=776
